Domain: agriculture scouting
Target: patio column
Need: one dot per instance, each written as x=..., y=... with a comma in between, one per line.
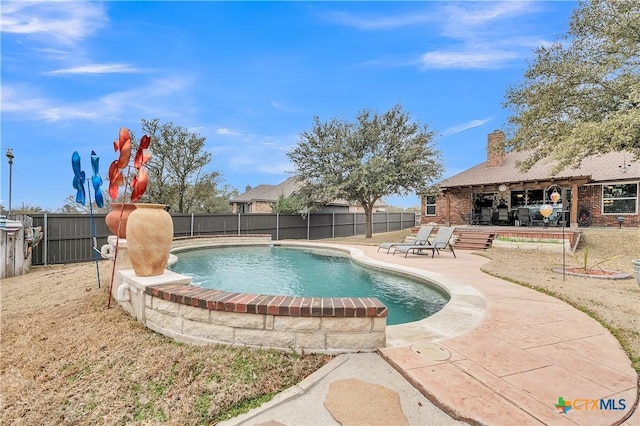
x=574, y=206
x=448, y=209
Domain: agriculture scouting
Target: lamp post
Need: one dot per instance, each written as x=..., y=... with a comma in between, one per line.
x=546, y=209
x=10, y=156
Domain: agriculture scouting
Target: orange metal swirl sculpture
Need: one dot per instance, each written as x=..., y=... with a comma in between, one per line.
x=141, y=178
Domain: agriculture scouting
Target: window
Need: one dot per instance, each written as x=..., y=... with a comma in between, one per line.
x=621, y=198
x=430, y=205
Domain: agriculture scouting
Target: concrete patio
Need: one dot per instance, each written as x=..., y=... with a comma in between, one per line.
x=525, y=355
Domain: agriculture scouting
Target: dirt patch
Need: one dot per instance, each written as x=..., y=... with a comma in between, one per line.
x=604, y=274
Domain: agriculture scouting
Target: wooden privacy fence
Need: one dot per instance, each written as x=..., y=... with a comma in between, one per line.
x=68, y=237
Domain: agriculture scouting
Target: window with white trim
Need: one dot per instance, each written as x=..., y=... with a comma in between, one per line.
x=620, y=198
x=430, y=205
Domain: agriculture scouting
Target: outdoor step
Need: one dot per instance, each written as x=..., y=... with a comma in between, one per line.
x=482, y=237
x=474, y=244
x=474, y=240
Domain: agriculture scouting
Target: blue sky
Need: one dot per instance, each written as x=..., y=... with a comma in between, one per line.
x=250, y=77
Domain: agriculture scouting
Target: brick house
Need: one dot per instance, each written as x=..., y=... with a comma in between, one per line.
x=603, y=191
x=261, y=198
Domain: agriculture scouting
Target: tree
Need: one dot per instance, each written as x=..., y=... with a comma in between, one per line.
x=581, y=95
x=71, y=207
x=25, y=209
x=205, y=197
x=176, y=170
x=288, y=205
x=361, y=162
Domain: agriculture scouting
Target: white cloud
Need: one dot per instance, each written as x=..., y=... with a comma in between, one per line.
x=21, y=100
x=261, y=153
x=379, y=22
x=282, y=107
x=481, y=15
x=228, y=132
x=63, y=21
x=465, y=126
x=488, y=36
x=158, y=98
x=482, y=35
x=261, y=162
x=471, y=59
x=98, y=69
x=277, y=168
x=197, y=129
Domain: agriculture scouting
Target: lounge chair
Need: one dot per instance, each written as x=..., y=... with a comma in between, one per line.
x=440, y=242
x=422, y=238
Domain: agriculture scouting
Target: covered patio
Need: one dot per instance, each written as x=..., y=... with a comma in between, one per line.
x=518, y=204
x=603, y=190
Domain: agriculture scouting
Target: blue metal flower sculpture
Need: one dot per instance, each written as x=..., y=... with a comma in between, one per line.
x=96, y=180
x=78, y=178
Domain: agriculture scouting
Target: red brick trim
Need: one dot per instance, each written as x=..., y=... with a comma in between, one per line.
x=218, y=300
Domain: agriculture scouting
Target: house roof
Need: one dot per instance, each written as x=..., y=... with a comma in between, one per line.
x=597, y=168
x=270, y=193
x=267, y=192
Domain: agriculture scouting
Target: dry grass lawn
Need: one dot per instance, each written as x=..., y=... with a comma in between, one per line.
x=66, y=359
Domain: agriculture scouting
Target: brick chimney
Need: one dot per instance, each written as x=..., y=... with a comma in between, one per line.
x=495, y=148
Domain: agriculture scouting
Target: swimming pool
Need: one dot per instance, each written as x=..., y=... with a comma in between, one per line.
x=307, y=272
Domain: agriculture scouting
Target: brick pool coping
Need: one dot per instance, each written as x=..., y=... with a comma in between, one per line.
x=218, y=300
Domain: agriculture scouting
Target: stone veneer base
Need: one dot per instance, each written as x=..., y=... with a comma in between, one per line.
x=168, y=305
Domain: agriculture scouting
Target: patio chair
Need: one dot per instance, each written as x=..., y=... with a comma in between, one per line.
x=476, y=218
x=523, y=216
x=422, y=238
x=503, y=215
x=485, y=216
x=440, y=242
x=466, y=218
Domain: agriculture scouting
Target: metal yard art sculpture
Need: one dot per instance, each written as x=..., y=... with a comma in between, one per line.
x=96, y=180
x=79, y=178
x=117, y=178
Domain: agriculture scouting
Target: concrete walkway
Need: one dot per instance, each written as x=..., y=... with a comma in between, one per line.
x=524, y=354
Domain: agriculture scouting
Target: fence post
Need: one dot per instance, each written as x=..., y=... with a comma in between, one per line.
x=308, y=225
x=387, y=221
x=238, y=223
x=46, y=239
x=355, y=224
x=277, y=226
x=192, y=224
x=333, y=225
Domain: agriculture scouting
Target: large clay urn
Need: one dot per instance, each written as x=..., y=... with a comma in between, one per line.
x=119, y=213
x=149, y=237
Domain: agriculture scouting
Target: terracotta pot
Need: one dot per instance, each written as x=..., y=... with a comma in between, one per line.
x=149, y=237
x=119, y=212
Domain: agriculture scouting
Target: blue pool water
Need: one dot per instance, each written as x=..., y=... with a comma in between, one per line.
x=307, y=273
